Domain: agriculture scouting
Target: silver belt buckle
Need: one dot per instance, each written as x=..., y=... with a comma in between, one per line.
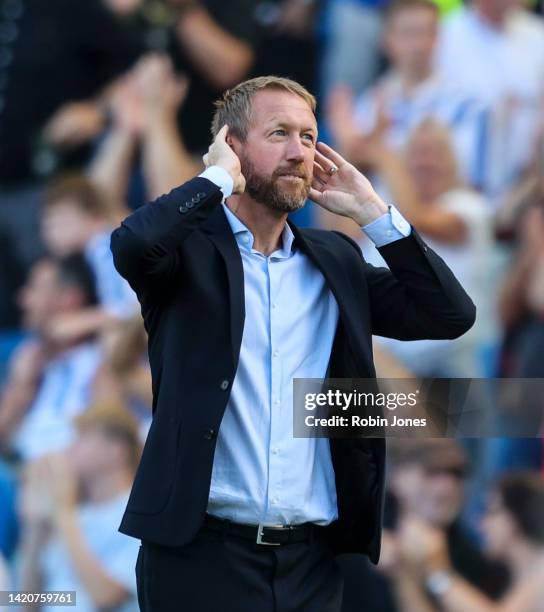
x=260, y=528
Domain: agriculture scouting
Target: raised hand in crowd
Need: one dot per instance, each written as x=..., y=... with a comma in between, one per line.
x=74, y=123
x=166, y=161
x=221, y=58
x=160, y=91
x=363, y=150
x=23, y=378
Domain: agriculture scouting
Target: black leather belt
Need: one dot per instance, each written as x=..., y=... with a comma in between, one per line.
x=267, y=535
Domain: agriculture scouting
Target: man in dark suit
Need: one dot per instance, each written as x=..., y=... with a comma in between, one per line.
x=234, y=513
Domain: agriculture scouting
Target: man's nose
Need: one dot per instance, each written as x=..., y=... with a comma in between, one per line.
x=295, y=149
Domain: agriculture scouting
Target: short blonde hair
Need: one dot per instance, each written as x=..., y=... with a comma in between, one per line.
x=235, y=105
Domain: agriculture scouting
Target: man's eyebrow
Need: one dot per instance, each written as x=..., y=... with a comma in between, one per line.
x=275, y=121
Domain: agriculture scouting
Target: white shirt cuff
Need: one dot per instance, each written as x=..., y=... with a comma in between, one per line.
x=221, y=178
x=388, y=228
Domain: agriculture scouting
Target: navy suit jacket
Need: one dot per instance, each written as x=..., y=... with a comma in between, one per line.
x=179, y=254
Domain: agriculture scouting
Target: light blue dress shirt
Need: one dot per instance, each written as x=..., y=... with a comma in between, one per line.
x=261, y=473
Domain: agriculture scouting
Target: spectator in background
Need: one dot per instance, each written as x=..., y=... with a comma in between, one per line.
x=288, y=43
x=76, y=218
x=71, y=505
x=410, y=92
x=67, y=54
x=521, y=308
x=427, y=188
x=50, y=375
x=144, y=110
x=514, y=531
x=521, y=298
x=495, y=49
x=457, y=223
x=352, y=54
x=427, y=480
x=52, y=54
x=125, y=374
x=209, y=41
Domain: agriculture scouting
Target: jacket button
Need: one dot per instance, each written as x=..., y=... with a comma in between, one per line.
x=210, y=434
x=425, y=248
x=182, y=209
x=201, y=195
x=190, y=204
x=195, y=200
x=224, y=385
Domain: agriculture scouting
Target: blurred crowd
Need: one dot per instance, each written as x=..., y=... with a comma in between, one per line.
x=106, y=104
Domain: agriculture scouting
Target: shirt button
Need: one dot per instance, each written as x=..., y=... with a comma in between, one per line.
x=224, y=385
x=274, y=305
x=274, y=451
x=276, y=353
x=389, y=233
x=277, y=402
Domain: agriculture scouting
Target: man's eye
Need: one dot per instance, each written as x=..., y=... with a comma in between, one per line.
x=309, y=137
x=281, y=132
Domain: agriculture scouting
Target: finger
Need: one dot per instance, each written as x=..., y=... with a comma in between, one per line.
x=331, y=154
x=320, y=173
x=318, y=165
x=324, y=162
x=222, y=134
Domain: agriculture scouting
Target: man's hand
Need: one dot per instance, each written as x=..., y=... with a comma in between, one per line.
x=220, y=154
x=340, y=188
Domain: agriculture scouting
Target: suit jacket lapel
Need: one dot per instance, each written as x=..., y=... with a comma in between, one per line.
x=328, y=262
x=219, y=232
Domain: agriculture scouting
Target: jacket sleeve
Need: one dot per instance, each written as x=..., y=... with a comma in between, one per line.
x=418, y=297
x=145, y=245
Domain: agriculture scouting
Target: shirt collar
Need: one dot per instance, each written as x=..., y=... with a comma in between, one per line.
x=245, y=238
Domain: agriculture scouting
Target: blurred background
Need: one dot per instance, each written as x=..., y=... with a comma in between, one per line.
x=106, y=104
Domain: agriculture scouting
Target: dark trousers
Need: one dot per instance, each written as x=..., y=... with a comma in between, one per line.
x=219, y=571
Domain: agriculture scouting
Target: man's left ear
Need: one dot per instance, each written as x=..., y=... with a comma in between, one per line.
x=233, y=143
